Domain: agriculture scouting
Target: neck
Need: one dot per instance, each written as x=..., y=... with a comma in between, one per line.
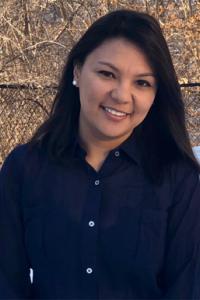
x=97, y=149
x=96, y=152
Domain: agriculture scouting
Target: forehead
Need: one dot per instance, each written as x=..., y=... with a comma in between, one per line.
x=120, y=52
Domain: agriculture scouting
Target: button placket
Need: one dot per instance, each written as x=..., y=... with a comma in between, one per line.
x=90, y=232
x=96, y=182
x=117, y=154
x=89, y=270
x=91, y=223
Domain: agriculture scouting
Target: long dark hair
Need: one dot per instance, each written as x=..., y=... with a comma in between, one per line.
x=162, y=137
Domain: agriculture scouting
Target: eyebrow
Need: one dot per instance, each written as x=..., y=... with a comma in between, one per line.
x=114, y=68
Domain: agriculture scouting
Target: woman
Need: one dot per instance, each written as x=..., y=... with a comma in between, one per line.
x=104, y=201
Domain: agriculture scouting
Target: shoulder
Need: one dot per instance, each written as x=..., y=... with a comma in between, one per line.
x=20, y=158
x=184, y=169
x=185, y=179
x=15, y=157
x=11, y=173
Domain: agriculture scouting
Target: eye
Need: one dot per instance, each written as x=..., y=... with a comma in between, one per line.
x=107, y=74
x=143, y=83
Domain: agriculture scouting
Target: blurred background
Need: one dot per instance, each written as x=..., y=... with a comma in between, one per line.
x=36, y=35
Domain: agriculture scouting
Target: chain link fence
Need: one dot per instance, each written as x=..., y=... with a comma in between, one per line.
x=23, y=109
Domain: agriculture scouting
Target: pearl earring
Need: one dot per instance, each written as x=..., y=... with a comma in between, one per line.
x=74, y=82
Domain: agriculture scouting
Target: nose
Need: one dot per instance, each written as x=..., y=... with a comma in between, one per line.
x=122, y=93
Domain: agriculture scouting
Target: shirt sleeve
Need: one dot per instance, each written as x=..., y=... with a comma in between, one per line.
x=14, y=267
x=181, y=273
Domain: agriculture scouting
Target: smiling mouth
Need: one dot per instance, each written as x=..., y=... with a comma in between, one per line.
x=115, y=112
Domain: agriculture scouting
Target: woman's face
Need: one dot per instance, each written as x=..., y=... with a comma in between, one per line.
x=117, y=88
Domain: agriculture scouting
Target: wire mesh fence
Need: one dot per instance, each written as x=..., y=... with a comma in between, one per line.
x=23, y=109
x=20, y=114
x=35, y=38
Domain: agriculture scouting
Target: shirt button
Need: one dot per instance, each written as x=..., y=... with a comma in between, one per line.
x=91, y=223
x=116, y=153
x=89, y=270
x=96, y=182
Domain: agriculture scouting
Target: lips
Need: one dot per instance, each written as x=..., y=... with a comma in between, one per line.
x=114, y=115
x=115, y=112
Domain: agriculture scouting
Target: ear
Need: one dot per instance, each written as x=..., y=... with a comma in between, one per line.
x=76, y=73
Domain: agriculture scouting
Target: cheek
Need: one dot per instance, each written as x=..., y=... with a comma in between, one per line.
x=85, y=97
x=91, y=98
x=88, y=103
x=144, y=103
x=143, y=108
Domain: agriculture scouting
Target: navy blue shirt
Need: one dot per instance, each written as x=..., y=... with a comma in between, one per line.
x=109, y=234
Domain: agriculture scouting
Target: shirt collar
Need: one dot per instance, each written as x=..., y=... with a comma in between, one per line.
x=76, y=149
x=129, y=147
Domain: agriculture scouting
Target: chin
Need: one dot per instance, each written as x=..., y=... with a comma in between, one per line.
x=115, y=135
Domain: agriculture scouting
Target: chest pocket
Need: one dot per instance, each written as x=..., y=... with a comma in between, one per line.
x=152, y=235
x=56, y=235
x=49, y=235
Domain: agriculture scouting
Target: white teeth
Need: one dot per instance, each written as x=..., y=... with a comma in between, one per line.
x=114, y=112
